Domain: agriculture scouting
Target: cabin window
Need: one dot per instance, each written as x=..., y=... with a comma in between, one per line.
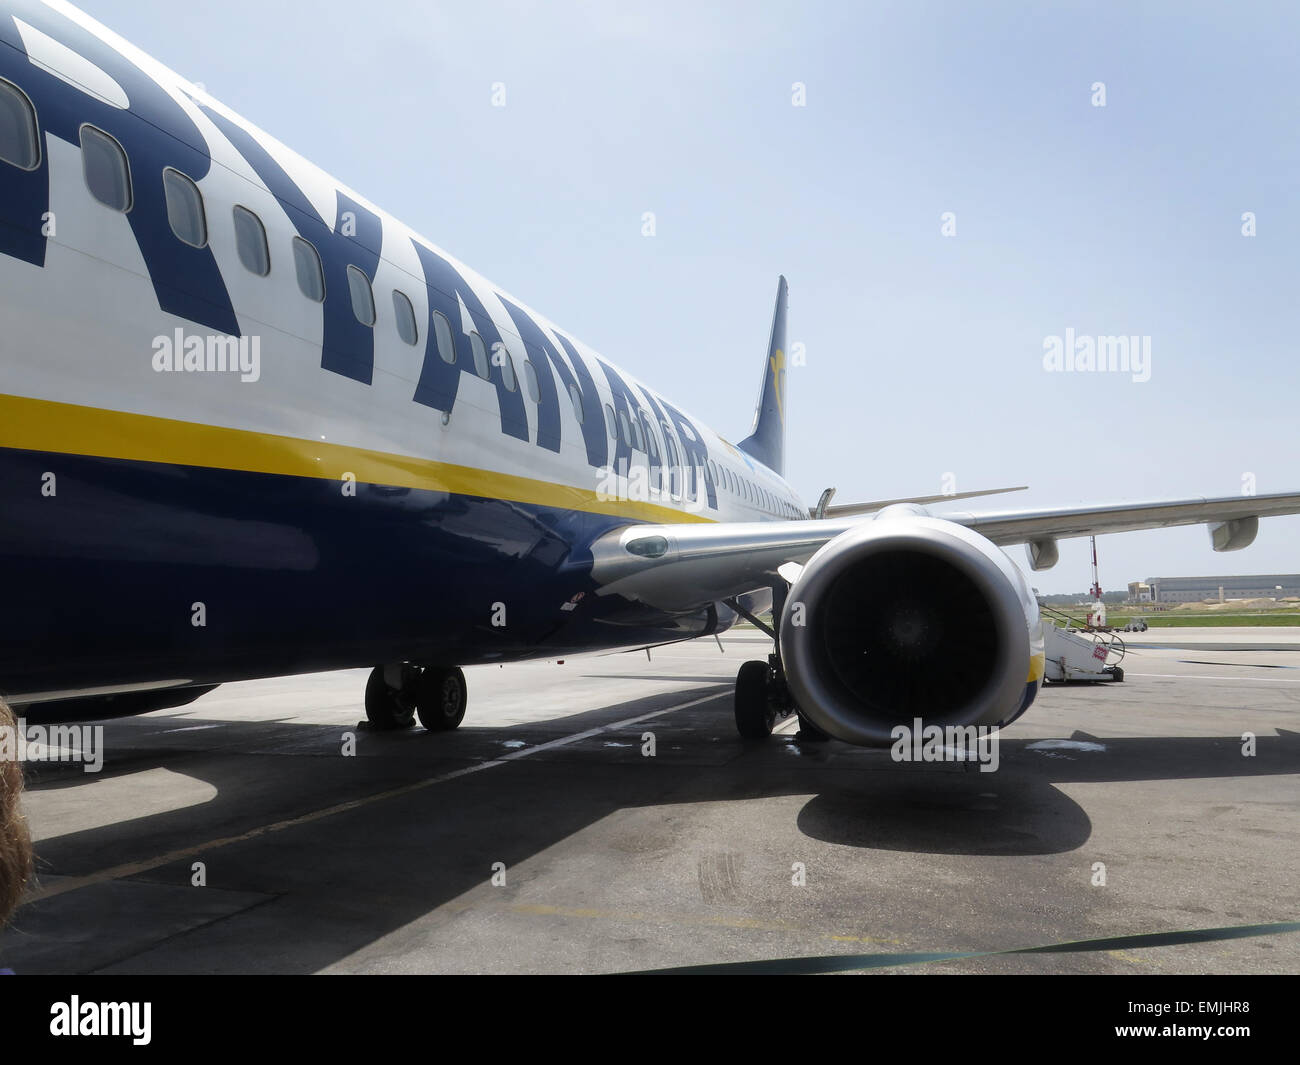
x=306, y=264
x=442, y=335
x=530, y=379
x=609, y=421
x=250, y=242
x=363, y=299
x=108, y=177
x=405, y=315
x=481, y=366
x=508, y=377
x=185, y=208
x=650, y=440
x=20, y=143
x=576, y=397
x=623, y=433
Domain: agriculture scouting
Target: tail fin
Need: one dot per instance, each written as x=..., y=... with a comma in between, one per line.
x=767, y=442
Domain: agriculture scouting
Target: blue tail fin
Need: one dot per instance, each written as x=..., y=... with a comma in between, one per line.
x=767, y=442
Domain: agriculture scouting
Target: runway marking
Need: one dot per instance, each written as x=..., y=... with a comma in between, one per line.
x=1206, y=676
x=1235, y=665
x=145, y=865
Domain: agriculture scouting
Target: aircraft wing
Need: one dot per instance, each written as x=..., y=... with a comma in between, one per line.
x=682, y=566
x=1018, y=527
x=843, y=510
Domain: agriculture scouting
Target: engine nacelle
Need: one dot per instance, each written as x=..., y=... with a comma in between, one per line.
x=910, y=616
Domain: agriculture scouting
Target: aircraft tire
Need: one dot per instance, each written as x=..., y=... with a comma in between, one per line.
x=440, y=699
x=755, y=715
x=384, y=711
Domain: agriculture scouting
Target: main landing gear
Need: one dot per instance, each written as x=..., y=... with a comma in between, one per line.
x=397, y=694
x=762, y=698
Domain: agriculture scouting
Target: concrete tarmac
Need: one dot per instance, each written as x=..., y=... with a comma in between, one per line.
x=261, y=830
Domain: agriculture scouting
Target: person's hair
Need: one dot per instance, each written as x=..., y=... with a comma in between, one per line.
x=15, y=842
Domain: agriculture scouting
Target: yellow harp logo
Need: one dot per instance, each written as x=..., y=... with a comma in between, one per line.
x=777, y=363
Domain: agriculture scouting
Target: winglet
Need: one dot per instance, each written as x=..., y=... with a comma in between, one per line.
x=767, y=442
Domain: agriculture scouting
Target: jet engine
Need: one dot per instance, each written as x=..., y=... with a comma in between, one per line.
x=910, y=616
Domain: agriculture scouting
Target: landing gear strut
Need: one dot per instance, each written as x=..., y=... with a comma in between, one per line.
x=396, y=694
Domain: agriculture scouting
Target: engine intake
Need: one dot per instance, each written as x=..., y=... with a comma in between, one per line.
x=906, y=617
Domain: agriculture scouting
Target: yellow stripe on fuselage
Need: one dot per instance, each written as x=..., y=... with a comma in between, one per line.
x=43, y=425
x=1037, y=666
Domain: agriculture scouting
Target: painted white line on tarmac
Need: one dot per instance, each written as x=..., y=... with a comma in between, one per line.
x=145, y=865
x=1207, y=676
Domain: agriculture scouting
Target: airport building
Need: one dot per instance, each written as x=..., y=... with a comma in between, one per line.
x=1197, y=589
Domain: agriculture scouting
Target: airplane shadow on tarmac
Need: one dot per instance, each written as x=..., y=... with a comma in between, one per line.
x=312, y=880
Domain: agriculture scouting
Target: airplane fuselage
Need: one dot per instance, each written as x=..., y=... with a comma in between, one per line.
x=209, y=473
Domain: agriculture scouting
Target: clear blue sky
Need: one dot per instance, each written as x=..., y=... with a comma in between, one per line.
x=924, y=352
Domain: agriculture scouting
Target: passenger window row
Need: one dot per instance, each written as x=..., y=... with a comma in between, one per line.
x=108, y=178
x=107, y=174
x=751, y=492
x=637, y=433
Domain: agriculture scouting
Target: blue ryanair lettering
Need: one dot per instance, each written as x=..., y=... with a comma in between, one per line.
x=625, y=402
x=347, y=345
x=593, y=418
x=186, y=280
x=650, y=423
x=439, y=380
x=660, y=421
x=695, y=455
x=24, y=197
x=548, y=363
